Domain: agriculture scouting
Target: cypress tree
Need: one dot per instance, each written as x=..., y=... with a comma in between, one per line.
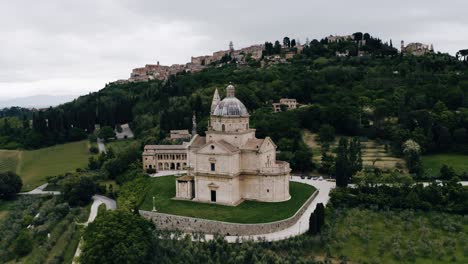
x=313, y=225
x=342, y=164
x=320, y=212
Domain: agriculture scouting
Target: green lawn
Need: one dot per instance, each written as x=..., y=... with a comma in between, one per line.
x=366, y=236
x=119, y=145
x=37, y=165
x=433, y=163
x=9, y=160
x=163, y=188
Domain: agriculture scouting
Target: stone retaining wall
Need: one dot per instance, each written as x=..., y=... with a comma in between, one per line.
x=192, y=225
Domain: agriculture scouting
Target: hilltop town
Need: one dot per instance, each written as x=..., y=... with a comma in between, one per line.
x=257, y=52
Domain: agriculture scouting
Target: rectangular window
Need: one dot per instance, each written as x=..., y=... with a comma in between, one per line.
x=213, y=167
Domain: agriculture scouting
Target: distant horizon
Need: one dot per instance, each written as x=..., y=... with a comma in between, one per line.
x=37, y=101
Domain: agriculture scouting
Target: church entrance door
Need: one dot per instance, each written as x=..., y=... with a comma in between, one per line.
x=213, y=196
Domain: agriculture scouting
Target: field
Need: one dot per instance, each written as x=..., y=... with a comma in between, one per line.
x=36, y=165
x=373, y=153
x=9, y=160
x=366, y=236
x=433, y=163
x=163, y=188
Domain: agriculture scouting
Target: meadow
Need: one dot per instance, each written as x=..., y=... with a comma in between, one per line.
x=433, y=163
x=36, y=165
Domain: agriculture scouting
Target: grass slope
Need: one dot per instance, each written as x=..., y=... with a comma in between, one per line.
x=366, y=236
x=163, y=188
x=433, y=163
x=37, y=165
x=9, y=160
x=119, y=145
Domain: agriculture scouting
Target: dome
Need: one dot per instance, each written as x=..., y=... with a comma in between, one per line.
x=230, y=106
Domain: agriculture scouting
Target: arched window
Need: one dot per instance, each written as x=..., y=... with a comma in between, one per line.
x=223, y=127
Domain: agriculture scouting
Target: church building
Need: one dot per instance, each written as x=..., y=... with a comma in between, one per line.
x=229, y=164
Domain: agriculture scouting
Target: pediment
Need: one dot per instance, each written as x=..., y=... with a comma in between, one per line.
x=267, y=145
x=214, y=147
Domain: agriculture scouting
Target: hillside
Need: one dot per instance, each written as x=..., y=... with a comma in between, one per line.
x=380, y=95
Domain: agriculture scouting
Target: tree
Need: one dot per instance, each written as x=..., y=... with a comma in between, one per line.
x=286, y=42
x=118, y=237
x=93, y=163
x=320, y=211
x=447, y=173
x=326, y=133
x=293, y=43
x=106, y=133
x=342, y=164
x=10, y=185
x=366, y=36
x=277, y=48
x=23, y=244
x=79, y=191
x=357, y=36
x=412, y=154
x=313, y=224
x=355, y=156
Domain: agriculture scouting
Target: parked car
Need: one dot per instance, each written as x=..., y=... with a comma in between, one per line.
x=320, y=178
x=309, y=177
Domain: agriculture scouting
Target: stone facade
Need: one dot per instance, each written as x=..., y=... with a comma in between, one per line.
x=196, y=64
x=416, y=49
x=337, y=38
x=180, y=134
x=155, y=71
x=195, y=225
x=289, y=103
x=165, y=157
x=230, y=164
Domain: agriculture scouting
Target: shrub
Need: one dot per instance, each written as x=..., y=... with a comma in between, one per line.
x=151, y=171
x=94, y=150
x=10, y=185
x=79, y=191
x=23, y=244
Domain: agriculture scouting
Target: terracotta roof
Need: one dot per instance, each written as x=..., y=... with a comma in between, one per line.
x=253, y=144
x=228, y=145
x=198, y=141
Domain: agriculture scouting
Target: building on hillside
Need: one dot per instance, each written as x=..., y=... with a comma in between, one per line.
x=286, y=103
x=416, y=49
x=165, y=157
x=180, y=134
x=337, y=38
x=230, y=165
x=342, y=53
x=155, y=72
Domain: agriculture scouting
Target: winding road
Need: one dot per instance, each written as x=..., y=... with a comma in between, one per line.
x=97, y=201
x=302, y=225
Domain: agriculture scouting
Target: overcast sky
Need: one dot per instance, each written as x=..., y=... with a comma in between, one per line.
x=62, y=47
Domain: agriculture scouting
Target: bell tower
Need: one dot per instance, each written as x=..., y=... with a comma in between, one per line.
x=215, y=100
